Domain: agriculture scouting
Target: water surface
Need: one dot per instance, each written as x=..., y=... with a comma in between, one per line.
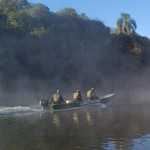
x=109, y=128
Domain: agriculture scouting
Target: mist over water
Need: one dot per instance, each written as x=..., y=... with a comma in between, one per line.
x=130, y=90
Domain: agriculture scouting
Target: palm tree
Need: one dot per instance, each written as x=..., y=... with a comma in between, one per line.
x=125, y=24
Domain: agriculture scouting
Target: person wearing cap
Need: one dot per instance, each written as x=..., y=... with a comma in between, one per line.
x=57, y=98
x=91, y=94
x=77, y=96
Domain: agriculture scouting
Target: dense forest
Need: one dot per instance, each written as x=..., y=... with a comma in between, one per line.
x=40, y=49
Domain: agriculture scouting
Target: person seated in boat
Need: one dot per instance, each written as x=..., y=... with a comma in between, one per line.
x=77, y=96
x=57, y=98
x=91, y=94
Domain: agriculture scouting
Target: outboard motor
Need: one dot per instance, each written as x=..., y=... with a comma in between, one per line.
x=44, y=104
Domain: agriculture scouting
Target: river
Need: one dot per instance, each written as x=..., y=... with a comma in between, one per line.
x=106, y=128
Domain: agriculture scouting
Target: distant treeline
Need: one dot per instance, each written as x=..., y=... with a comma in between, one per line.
x=66, y=47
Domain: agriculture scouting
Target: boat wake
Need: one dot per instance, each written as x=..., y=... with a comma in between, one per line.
x=19, y=110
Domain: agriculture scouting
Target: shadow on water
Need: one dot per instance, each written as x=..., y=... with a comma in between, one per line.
x=92, y=128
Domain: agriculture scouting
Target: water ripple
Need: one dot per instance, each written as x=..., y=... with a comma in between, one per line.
x=19, y=110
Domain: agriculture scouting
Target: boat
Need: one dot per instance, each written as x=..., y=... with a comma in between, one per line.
x=69, y=104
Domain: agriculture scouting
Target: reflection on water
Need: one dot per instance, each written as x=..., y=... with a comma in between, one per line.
x=93, y=129
x=123, y=145
x=75, y=118
x=56, y=120
x=89, y=118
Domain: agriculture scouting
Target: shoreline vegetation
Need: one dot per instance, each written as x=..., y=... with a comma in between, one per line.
x=42, y=50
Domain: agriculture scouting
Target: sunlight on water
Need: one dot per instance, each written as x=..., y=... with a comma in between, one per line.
x=142, y=143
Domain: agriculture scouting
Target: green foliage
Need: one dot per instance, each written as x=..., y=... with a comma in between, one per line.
x=39, y=32
x=41, y=45
x=13, y=5
x=39, y=12
x=83, y=16
x=68, y=12
x=125, y=24
x=15, y=20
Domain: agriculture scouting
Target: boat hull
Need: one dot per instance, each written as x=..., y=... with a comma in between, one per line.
x=66, y=106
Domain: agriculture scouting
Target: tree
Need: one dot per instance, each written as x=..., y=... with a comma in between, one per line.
x=13, y=15
x=39, y=11
x=125, y=24
x=41, y=15
x=68, y=12
x=83, y=16
x=13, y=5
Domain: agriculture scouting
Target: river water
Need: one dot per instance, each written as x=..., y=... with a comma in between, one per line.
x=105, y=128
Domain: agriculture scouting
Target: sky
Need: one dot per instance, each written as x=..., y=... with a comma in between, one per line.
x=107, y=11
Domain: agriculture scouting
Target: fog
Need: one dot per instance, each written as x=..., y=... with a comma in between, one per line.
x=68, y=51
x=130, y=90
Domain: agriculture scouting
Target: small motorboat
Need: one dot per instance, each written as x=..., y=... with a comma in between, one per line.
x=69, y=104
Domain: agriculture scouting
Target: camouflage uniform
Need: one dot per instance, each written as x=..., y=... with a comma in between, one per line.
x=57, y=98
x=77, y=96
x=91, y=94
